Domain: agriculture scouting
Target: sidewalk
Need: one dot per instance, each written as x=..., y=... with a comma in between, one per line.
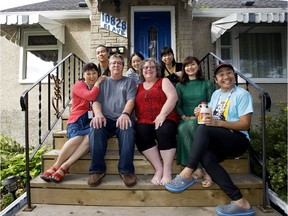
x=68, y=210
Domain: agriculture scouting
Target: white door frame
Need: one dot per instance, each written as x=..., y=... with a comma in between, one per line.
x=170, y=9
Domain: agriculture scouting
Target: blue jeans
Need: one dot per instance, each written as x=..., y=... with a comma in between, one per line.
x=98, y=146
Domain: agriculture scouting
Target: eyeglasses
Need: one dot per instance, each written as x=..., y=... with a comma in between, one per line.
x=117, y=63
x=151, y=67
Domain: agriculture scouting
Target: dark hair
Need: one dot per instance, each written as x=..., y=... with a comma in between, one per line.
x=167, y=50
x=158, y=68
x=164, y=51
x=130, y=60
x=90, y=66
x=188, y=60
x=101, y=45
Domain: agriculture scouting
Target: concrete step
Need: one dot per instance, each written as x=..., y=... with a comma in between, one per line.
x=64, y=210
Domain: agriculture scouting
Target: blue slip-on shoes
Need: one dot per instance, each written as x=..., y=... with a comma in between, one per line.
x=233, y=210
x=179, y=184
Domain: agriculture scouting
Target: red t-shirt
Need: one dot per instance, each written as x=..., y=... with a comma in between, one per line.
x=81, y=96
x=150, y=102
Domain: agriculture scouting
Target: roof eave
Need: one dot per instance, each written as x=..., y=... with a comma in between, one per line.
x=222, y=12
x=64, y=14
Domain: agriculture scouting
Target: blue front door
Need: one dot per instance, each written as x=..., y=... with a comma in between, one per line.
x=152, y=31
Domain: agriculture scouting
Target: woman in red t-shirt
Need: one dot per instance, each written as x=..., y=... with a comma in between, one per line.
x=157, y=120
x=78, y=126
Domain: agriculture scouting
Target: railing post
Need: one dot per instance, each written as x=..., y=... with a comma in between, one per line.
x=27, y=154
x=28, y=191
x=264, y=176
x=49, y=101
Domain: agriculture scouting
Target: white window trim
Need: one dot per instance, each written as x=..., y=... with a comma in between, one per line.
x=235, y=47
x=170, y=9
x=23, y=54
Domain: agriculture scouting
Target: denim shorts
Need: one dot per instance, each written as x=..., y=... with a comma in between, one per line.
x=79, y=128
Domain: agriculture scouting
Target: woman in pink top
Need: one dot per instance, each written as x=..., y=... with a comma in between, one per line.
x=84, y=93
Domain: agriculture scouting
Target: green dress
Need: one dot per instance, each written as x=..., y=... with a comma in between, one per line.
x=190, y=95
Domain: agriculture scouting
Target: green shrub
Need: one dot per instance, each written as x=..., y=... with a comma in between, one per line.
x=6, y=200
x=13, y=163
x=276, y=155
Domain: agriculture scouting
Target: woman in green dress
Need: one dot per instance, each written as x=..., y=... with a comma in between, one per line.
x=192, y=89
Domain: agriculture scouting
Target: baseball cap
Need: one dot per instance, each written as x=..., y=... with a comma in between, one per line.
x=221, y=66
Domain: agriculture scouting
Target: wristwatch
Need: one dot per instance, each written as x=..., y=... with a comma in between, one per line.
x=126, y=113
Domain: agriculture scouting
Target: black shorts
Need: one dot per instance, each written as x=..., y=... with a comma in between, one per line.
x=164, y=136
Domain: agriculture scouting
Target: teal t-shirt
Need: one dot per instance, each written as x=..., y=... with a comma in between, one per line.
x=240, y=103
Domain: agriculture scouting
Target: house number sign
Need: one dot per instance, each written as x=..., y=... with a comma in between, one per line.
x=114, y=24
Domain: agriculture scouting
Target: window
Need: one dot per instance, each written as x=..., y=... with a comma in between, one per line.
x=41, y=51
x=258, y=52
x=152, y=35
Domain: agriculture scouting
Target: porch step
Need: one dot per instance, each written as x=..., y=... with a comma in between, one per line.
x=73, y=190
x=64, y=122
x=142, y=166
x=60, y=137
x=112, y=192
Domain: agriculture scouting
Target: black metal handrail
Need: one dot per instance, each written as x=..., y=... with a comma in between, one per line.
x=64, y=75
x=209, y=63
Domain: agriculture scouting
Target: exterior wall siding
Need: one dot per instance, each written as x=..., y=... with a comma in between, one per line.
x=11, y=117
x=77, y=35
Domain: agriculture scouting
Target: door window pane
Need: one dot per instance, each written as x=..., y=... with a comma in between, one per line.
x=152, y=34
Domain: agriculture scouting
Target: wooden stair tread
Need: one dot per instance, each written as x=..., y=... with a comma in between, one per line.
x=142, y=165
x=73, y=190
x=114, y=153
x=60, y=133
x=74, y=181
x=111, y=154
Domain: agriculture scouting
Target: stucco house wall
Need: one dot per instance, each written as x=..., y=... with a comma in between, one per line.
x=77, y=40
x=201, y=36
x=11, y=117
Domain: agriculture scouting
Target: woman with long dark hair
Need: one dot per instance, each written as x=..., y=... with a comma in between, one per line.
x=170, y=68
x=192, y=89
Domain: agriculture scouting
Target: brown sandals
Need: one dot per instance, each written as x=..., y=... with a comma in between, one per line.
x=198, y=174
x=207, y=181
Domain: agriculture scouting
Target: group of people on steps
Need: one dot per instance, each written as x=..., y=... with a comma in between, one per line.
x=155, y=106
